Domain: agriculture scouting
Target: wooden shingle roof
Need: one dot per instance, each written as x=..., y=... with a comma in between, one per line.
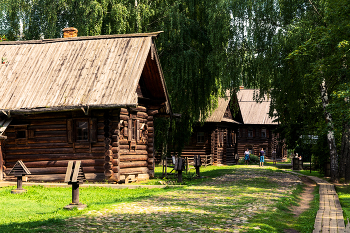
x=254, y=112
x=70, y=73
x=219, y=112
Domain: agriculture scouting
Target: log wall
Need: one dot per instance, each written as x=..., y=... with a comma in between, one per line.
x=48, y=145
x=216, y=143
x=256, y=142
x=129, y=150
x=120, y=143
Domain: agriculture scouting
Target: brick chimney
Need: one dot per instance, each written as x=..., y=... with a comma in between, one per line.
x=241, y=87
x=70, y=32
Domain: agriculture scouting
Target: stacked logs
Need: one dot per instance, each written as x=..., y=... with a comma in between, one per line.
x=150, y=150
x=129, y=144
x=111, y=145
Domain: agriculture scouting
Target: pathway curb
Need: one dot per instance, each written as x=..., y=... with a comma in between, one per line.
x=329, y=217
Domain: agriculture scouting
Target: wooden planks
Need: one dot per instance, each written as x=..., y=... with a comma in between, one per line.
x=61, y=74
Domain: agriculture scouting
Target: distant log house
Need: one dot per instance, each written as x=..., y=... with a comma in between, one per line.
x=216, y=139
x=238, y=123
x=83, y=98
x=258, y=128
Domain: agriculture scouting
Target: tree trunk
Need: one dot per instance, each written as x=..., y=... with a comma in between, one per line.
x=344, y=171
x=330, y=133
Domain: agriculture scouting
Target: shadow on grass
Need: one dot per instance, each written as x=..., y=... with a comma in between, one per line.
x=219, y=207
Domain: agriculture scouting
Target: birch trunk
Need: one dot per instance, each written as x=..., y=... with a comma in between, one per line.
x=330, y=133
x=344, y=171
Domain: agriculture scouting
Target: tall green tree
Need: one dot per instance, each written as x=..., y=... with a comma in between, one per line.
x=295, y=51
x=193, y=48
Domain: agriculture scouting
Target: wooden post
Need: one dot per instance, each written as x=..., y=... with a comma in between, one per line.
x=1, y=163
x=75, y=193
x=187, y=165
x=19, y=182
x=179, y=178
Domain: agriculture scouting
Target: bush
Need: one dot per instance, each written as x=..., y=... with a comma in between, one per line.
x=254, y=159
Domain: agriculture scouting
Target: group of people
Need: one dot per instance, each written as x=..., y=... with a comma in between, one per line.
x=262, y=157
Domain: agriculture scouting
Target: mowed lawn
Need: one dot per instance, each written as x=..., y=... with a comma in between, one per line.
x=229, y=199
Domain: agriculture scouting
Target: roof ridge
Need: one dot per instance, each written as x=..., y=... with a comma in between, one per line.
x=81, y=38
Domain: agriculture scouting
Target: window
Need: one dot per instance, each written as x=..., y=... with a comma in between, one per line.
x=21, y=134
x=82, y=130
x=263, y=133
x=200, y=137
x=250, y=133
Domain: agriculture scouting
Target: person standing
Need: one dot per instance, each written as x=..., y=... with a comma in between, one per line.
x=262, y=157
x=246, y=156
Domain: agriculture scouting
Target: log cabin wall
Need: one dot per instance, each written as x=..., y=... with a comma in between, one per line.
x=46, y=142
x=252, y=137
x=110, y=144
x=129, y=147
x=218, y=140
x=200, y=144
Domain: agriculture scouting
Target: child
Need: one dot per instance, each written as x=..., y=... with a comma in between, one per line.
x=262, y=159
x=246, y=156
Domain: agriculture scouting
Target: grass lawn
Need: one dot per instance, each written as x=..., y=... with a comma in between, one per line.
x=343, y=192
x=229, y=199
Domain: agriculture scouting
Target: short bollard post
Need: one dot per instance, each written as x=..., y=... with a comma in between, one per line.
x=19, y=170
x=179, y=166
x=197, y=164
x=75, y=176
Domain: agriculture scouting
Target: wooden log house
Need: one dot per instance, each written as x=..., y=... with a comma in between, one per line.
x=228, y=132
x=216, y=138
x=81, y=98
x=257, y=128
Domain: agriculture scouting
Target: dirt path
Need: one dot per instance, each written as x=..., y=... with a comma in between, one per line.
x=306, y=198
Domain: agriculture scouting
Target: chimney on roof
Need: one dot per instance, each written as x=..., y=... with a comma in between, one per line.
x=70, y=32
x=241, y=87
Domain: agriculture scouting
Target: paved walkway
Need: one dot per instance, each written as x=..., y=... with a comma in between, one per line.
x=329, y=217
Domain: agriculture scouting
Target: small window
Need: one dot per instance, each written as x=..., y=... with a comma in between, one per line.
x=21, y=134
x=263, y=133
x=200, y=137
x=250, y=133
x=82, y=130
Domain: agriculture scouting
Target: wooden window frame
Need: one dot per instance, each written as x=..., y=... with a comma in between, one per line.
x=200, y=137
x=72, y=130
x=264, y=131
x=250, y=133
x=21, y=128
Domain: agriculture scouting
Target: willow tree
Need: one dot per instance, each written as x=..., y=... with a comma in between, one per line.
x=294, y=51
x=192, y=48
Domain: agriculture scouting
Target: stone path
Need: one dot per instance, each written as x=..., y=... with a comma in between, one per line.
x=329, y=217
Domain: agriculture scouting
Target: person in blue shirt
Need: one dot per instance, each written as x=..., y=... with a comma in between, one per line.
x=246, y=156
x=262, y=157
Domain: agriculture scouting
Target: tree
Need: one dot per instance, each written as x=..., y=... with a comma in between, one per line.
x=295, y=51
x=192, y=48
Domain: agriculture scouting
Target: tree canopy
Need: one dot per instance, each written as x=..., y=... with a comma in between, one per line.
x=296, y=51
x=192, y=48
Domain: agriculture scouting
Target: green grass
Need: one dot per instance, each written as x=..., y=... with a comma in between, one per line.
x=44, y=206
x=307, y=173
x=343, y=192
x=229, y=198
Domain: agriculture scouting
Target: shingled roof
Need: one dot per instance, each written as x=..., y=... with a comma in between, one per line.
x=70, y=73
x=254, y=112
x=218, y=114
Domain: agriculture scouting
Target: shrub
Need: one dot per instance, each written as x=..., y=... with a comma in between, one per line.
x=254, y=159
